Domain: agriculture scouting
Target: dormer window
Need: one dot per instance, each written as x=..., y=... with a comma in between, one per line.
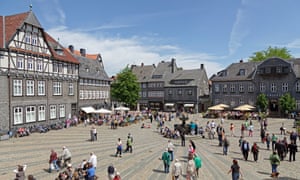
x=242, y=72
x=59, y=50
x=87, y=69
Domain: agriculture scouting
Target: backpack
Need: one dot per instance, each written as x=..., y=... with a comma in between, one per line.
x=111, y=170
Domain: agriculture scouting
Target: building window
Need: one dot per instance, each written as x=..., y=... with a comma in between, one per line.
x=29, y=64
x=39, y=65
x=30, y=87
x=232, y=88
x=71, y=89
x=298, y=86
x=285, y=87
x=217, y=88
x=20, y=63
x=57, y=88
x=241, y=88
x=62, y=111
x=55, y=68
x=179, y=92
x=273, y=87
x=262, y=87
x=224, y=88
x=30, y=114
x=241, y=101
x=18, y=115
x=242, y=72
x=189, y=92
x=52, y=112
x=170, y=92
x=250, y=88
x=42, y=113
x=297, y=104
x=28, y=38
x=17, y=87
x=41, y=88
x=81, y=95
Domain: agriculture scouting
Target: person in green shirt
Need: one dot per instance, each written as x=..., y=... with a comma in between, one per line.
x=198, y=163
x=274, y=139
x=275, y=161
x=166, y=160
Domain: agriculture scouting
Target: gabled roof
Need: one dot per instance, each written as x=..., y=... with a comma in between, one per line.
x=143, y=72
x=164, y=70
x=194, y=77
x=232, y=72
x=95, y=68
x=66, y=57
x=9, y=26
x=89, y=56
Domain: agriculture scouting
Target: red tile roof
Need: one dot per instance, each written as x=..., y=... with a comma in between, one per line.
x=89, y=56
x=13, y=22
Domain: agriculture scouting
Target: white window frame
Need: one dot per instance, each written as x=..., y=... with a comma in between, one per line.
x=57, y=89
x=18, y=115
x=29, y=64
x=30, y=114
x=273, y=87
x=241, y=87
x=41, y=88
x=52, y=111
x=232, y=88
x=297, y=86
x=262, y=87
x=29, y=87
x=17, y=87
x=42, y=113
x=71, y=89
x=20, y=63
x=62, y=110
x=285, y=87
x=39, y=65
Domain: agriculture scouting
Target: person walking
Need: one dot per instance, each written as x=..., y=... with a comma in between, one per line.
x=66, y=156
x=274, y=139
x=166, y=160
x=268, y=140
x=198, y=163
x=128, y=144
x=225, y=146
x=182, y=135
x=53, y=161
x=231, y=129
x=245, y=149
x=191, y=168
x=235, y=170
x=93, y=159
x=255, y=150
x=177, y=170
x=119, y=148
x=292, y=147
x=171, y=147
x=275, y=162
x=93, y=134
x=20, y=172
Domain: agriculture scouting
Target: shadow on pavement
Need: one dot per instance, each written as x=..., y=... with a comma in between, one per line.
x=158, y=171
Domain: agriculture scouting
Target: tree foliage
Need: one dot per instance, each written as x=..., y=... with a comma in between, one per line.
x=287, y=103
x=283, y=53
x=262, y=102
x=125, y=88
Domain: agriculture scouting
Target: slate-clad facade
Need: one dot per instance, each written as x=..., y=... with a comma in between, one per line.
x=241, y=83
x=166, y=87
x=38, y=76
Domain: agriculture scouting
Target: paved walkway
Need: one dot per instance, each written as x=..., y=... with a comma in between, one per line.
x=148, y=146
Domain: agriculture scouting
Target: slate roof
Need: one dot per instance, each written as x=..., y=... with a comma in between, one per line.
x=296, y=66
x=95, y=66
x=163, y=70
x=232, y=72
x=196, y=76
x=143, y=72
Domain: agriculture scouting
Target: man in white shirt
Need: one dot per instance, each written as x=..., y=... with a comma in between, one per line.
x=177, y=170
x=171, y=149
x=93, y=160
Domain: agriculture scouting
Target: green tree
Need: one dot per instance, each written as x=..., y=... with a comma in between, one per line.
x=125, y=88
x=262, y=102
x=283, y=53
x=287, y=103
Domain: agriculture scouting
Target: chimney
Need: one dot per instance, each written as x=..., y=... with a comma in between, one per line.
x=241, y=61
x=173, y=65
x=82, y=52
x=142, y=64
x=71, y=48
x=201, y=66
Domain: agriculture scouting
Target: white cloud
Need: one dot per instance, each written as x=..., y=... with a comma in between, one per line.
x=119, y=52
x=294, y=44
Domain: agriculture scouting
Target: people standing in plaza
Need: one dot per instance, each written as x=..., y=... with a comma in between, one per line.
x=255, y=151
x=93, y=134
x=293, y=137
x=129, y=144
x=225, y=146
x=235, y=170
x=166, y=160
x=111, y=172
x=232, y=129
x=93, y=159
x=66, y=156
x=243, y=128
x=268, y=140
x=292, y=147
x=90, y=172
x=53, y=161
x=274, y=139
x=275, y=162
x=220, y=132
x=262, y=135
x=177, y=170
x=171, y=147
x=245, y=149
x=119, y=148
x=191, y=168
x=182, y=136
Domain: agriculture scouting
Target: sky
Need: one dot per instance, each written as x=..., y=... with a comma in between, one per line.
x=215, y=33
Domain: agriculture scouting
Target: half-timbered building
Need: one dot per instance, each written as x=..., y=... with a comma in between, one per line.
x=38, y=76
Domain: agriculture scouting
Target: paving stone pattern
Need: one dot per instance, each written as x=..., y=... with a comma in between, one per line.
x=148, y=146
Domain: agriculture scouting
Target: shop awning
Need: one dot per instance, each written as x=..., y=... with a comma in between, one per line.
x=88, y=109
x=188, y=105
x=169, y=104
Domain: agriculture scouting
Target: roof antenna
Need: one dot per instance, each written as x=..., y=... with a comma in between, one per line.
x=30, y=6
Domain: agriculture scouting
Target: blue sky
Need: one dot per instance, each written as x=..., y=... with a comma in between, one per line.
x=215, y=33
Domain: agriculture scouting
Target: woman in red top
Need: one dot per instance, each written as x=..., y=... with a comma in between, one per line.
x=53, y=161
